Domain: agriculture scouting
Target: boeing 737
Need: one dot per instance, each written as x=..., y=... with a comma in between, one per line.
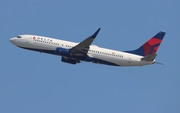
x=74, y=53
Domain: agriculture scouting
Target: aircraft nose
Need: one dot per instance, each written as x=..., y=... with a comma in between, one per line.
x=12, y=40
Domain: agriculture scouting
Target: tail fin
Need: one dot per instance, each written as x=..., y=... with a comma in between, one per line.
x=151, y=46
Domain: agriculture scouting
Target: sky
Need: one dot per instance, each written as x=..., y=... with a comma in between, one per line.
x=31, y=82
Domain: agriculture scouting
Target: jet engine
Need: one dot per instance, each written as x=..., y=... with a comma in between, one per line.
x=62, y=52
x=69, y=60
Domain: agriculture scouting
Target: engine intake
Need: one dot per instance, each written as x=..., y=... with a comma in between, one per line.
x=62, y=52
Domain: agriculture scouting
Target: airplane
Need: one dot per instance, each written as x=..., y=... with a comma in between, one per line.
x=74, y=53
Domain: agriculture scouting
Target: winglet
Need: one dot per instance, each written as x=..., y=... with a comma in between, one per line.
x=95, y=34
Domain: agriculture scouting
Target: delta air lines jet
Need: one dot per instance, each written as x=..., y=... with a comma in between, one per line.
x=74, y=53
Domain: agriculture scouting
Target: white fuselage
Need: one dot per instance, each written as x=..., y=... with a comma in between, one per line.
x=49, y=45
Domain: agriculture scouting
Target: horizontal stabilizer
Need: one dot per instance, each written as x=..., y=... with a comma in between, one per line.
x=150, y=57
x=158, y=63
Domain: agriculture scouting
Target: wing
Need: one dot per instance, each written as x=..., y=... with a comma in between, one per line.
x=82, y=48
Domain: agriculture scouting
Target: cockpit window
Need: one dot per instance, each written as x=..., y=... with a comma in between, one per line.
x=18, y=36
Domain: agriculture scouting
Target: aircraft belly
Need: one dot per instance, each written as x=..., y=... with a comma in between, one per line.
x=106, y=59
x=126, y=61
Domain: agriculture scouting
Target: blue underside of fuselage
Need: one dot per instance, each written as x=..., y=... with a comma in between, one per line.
x=88, y=59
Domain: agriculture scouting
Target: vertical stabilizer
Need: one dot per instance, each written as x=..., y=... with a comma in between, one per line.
x=151, y=46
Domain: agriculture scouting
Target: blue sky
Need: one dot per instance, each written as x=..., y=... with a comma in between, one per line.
x=31, y=82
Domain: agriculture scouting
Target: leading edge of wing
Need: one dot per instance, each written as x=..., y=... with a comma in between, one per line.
x=83, y=46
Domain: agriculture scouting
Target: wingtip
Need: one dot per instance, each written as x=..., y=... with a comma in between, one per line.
x=98, y=30
x=95, y=34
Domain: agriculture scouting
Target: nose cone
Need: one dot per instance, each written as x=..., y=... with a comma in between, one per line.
x=12, y=40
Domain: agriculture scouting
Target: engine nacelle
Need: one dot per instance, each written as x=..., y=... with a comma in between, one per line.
x=69, y=60
x=62, y=52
